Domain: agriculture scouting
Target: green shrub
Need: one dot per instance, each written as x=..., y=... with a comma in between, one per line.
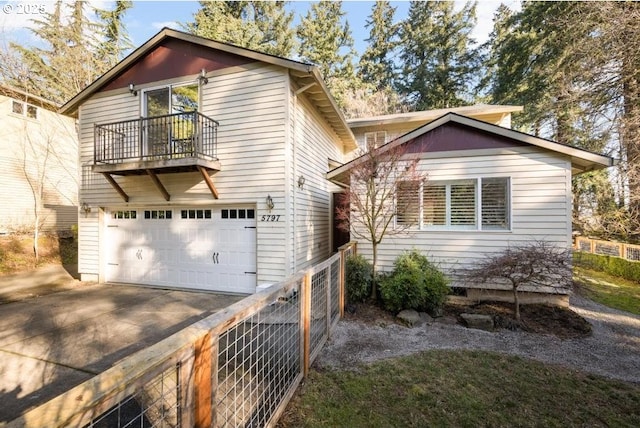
x=414, y=283
x=358, y=277
x=615, y=266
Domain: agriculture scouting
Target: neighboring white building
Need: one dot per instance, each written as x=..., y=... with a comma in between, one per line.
x=488, y=186
x=38, y=155
x=203, y=166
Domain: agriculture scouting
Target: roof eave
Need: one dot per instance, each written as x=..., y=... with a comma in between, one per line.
x=391, y=119
x=581, y=160
x=71, y=106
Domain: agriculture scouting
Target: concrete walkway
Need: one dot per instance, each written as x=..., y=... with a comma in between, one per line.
x=56, y=332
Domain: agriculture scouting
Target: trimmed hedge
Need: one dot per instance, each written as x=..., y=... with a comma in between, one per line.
x=615, y=266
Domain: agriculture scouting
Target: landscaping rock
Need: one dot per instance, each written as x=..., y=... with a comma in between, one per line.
x=437, y=312
x=426, y=317
x=410, y=317
x=447, y=319
x=480, y=322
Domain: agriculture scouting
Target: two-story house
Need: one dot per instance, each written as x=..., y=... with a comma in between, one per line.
x=203, y=166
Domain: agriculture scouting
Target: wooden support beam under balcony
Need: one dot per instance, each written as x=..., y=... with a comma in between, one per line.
x=159, y=185
x=209, y=181
x=116, y=186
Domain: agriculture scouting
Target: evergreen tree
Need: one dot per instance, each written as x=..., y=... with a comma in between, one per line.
x=376, y=65
x=439, y=60
x=575, y=67
x=71, y=56
x=115, y=37
x=258, y=25
x=326, y=41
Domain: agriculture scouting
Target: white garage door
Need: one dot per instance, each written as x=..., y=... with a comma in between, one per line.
x=201, y=248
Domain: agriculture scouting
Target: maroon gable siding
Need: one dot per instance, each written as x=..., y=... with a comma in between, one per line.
x=174, y=58
x=453, y=136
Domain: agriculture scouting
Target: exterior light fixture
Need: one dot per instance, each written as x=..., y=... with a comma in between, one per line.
x=86, y=208
x=270, y=203
x=301, y=181
x=202, y=78
x=132, y=89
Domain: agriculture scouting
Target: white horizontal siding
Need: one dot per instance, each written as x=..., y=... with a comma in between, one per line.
x=541, y=209
x=315, y=145
x=38, y=152
x=250, y=105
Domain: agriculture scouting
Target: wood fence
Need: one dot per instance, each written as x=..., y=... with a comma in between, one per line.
x=608, y=248
x=237, y=367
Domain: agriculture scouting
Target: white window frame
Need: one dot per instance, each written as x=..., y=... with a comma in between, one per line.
x=376, y=140
x=478, y=207
x=170, y=87
x=25, y=110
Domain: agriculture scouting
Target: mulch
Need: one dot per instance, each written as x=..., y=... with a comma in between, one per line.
x=534, y=318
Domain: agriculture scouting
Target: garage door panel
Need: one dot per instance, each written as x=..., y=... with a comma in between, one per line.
x=209, y=249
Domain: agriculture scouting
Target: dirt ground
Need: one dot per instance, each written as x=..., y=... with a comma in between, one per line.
x=536, y=318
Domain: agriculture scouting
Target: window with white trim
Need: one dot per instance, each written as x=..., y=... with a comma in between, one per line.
x=455, y=204
x=24, y=109
x=373, y=140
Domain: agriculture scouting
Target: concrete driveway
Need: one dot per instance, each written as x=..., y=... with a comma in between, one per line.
x=52, y=339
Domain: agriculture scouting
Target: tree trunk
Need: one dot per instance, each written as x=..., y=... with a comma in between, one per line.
x=374, y=279
x=516, y=304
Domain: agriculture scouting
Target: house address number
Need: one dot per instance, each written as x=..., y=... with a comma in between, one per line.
x=270, y=217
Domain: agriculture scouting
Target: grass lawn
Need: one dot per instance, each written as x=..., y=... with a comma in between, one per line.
x=618, y=293
x=461, y=389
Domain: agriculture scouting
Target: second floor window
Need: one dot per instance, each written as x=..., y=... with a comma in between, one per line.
x=373, y=140
x=24, y=109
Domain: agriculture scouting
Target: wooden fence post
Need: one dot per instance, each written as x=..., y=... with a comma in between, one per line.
x=341, y=283
x=306, y=322
x=203, y=394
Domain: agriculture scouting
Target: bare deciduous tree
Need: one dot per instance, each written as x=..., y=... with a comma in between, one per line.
x=537, y=263
x=375, y=179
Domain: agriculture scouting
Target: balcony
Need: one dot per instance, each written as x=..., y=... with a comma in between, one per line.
x=173, y=143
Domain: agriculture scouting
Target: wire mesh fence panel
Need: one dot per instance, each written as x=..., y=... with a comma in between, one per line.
x=334, y=287
x=607, y=248
x=632, y=252
x=318, y=331
x=258, y=364
x=155, y=405
x=584, y=245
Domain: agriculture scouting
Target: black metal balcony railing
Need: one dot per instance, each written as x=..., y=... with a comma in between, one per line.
x=172, y=136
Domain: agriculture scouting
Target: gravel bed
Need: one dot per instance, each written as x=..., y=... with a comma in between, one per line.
x=613, y=350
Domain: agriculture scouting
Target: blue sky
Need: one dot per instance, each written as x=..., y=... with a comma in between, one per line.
x=147, y=17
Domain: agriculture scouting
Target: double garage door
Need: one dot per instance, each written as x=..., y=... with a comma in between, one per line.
x=185, y=247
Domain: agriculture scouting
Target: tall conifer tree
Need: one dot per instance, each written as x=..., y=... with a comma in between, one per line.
x=439, y=60
x=72, y=53
x=325, y=40
x=264, y=26
x=376, y=66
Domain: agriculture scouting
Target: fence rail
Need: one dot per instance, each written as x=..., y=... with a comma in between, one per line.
x=608, y=248
x=238, y=367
